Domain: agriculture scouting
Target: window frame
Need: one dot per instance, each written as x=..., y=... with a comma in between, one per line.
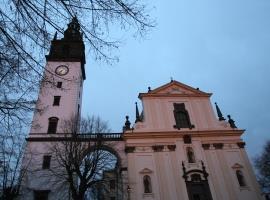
x=59, y=84
x=46, y=164
x=52, y=125
x=181, y=116
x=41, y=194
x=240, y=178
x=112, y=184
x=56, y=100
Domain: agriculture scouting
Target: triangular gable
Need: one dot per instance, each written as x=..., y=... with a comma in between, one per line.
x=175, y=88
x=146, y=171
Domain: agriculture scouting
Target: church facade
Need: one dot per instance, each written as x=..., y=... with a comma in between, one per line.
x=179, y=149
x=176, y=150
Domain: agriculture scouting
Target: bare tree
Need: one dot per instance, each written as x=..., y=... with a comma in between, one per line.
x=262, y=164
x=11, y=171
x=26, y=28
x=81, y=162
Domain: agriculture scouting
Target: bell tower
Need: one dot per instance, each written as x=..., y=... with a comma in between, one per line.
x=60, y=94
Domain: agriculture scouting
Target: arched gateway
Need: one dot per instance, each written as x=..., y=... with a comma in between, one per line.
x=46, y=176
x=176, y=150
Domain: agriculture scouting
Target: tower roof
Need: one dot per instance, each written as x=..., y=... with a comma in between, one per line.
x=70, y=48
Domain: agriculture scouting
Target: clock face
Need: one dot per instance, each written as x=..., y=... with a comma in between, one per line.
x=61, y=70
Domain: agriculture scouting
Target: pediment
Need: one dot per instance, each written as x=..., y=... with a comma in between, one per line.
x=146, y=171
x=237, y=166
x=176, y=88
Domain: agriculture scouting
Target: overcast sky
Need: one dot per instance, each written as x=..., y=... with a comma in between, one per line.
x=219, y=46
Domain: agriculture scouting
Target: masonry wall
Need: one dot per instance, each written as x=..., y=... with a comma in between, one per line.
x=165, y=169
x=71, y=96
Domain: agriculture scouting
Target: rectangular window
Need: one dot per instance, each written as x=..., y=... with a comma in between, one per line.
x=112, y=184
x=56, y=100
x=59, y=85
x=46, y=162
x=181, y=116
x=41, y=194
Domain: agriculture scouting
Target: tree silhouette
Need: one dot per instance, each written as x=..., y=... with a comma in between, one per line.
x=262, y=164
x=81, y=164
x=26, y=28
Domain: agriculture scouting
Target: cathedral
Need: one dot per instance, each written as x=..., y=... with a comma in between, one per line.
x=177, y=149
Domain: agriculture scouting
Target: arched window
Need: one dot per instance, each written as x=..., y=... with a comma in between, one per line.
x=52, y=127
x=240, y=178
x=190, y=155
x=147, y=184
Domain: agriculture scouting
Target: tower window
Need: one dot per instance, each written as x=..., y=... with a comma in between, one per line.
x=240, y=178
x=59, y=85
x=56, y=100
x=41, y=194
x=46, y=162
x=147, y=184
x=53, y=121
x=181, y=116
x=112, y=184
x=190, y=155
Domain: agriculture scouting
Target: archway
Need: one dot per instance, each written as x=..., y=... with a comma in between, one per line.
x=107, y=179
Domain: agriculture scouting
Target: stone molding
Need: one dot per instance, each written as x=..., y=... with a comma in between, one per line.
x=237, y=166
x=158, y=148
x=206, y=146
x=241, y=145
x=218, y=145
x=171, y=147
x=146, y=171
x=175, y=134
x=130, y=149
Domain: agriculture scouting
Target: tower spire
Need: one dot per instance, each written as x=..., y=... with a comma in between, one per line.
x=220, y=116
x=72, y=33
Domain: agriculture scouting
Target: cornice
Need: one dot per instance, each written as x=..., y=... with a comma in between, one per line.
x=175, y=134
x=141, y=95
